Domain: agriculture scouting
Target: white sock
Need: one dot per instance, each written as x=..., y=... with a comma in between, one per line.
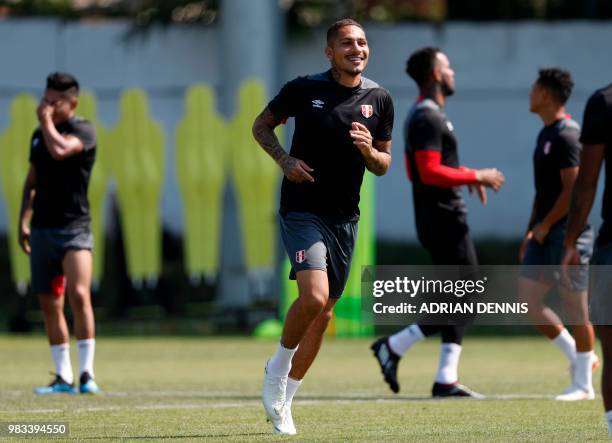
x=449, y=361
x=404, y=339
x=583, y=372
x=280, y=363
x=292, y=387
x=61, y=360
x=609, y=420
x=87, y=349
x=567, y=344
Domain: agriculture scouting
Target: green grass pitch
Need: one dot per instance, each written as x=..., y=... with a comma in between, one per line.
x=194, y=389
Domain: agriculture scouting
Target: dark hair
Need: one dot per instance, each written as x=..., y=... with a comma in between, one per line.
x=332, y=31
x=63, y=82
x=421, y=63
x=557, y=81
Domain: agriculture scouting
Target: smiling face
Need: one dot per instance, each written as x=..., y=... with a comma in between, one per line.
x=349, y=51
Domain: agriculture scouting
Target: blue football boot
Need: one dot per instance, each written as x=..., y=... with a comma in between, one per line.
x=57, y=386
x=87, y=385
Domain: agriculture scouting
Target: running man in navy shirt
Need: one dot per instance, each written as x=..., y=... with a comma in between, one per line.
x=343, y=126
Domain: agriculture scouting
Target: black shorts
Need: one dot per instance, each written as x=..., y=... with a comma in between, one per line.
x=453, y=254
x=450, y=243
x=314, y=242
x=541, y=261
x=49, y=245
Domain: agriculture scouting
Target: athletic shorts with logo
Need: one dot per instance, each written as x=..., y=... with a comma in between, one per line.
x=316, y=242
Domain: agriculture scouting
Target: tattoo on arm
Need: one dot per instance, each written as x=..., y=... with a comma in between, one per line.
x=263, y=132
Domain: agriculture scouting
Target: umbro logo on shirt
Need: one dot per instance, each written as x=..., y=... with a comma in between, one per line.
x=547, y=148
x=35, y=142
x=318, y=103
x=449, y=125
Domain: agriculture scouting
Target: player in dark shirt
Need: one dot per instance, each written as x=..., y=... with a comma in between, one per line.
x=54, y=228
x=596, y=138
x=556, y=161
x=433, y=166
x=343, y=125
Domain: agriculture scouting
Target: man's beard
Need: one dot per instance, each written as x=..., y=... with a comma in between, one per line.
x=348, y=70
x=353, y=71
x=446, y=89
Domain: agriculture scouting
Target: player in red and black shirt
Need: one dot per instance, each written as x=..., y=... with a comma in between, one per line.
x=343, y=126
x=556, y=162
x=433, y=166
x=596, y=138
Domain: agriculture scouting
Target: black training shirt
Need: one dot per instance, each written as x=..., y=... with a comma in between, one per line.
x=558, y=147
x=324, y=111
x=436, y=208
x=61, y=185
x=597, y=129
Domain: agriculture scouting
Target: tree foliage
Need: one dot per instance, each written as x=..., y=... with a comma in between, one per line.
x=311, y=13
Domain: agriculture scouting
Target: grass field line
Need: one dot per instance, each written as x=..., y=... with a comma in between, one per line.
x=255, y=396
x=256, y=402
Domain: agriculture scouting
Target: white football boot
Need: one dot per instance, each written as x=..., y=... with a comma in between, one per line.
x=575, y=393
x=273, y=398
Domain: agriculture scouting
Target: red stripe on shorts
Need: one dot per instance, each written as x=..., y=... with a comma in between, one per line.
x=58, y=285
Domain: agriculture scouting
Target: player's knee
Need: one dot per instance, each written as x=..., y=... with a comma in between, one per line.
x=79, y=295
x=576, y=311
x=530, y=300
x=51, y=305
x=315, y=301
x=524, y=298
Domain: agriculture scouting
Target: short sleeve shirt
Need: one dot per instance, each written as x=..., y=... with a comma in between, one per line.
x=61, y=185
x=428, y=128
x=324, y=112
x=558, y=147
